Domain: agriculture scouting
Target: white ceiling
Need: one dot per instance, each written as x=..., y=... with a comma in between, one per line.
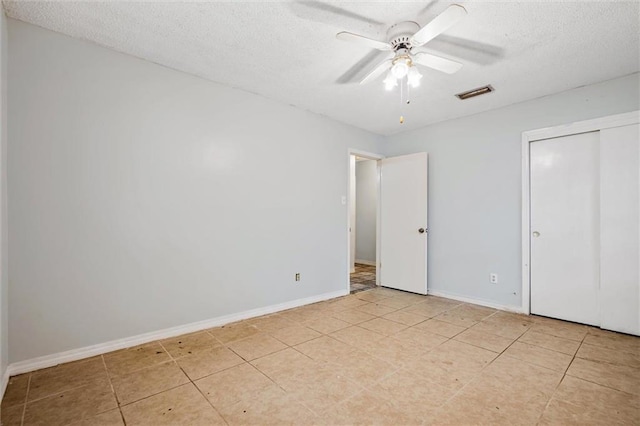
x=288, y=51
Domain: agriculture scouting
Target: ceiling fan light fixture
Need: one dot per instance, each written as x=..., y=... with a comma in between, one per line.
x=414, y=77
x=390, y=81
x=400, y=69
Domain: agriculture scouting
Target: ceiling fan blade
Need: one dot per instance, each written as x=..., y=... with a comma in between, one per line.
x=440, y=24
x=377, y=71
x=436, y=62
x=365, y=41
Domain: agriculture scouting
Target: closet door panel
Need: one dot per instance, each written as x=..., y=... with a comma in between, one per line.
x=620, y=229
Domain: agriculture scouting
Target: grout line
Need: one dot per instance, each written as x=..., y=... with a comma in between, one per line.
x=191, y=381
x=26, y=399
x=564, y=374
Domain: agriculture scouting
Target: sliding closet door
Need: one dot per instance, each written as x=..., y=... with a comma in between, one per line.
x=565, y=225
x=620, y=228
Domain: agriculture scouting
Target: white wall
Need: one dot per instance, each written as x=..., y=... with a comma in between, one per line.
x=144, y=198
x=4, y=276
x=475, y=185
x=366, y=196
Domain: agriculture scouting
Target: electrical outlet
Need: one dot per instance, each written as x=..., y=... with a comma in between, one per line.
x=494, y=278
x=298, y=276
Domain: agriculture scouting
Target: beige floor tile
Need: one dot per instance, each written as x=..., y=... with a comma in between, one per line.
x=327, y=325
x=382, y=326
x=230, y=386
x=420, y=339
x=624, y=408
x=393, y=351
x=304, y=314
x=295, y=335
x=273, y=407
x=612, y=356
x=397, y=367
x=459, y=318
x=614, y=341
x=376, y=309
x=362, y=368
x=492, y=342
x=271, y=323
x=324, y=348
x=284, y=364
x=187, y=344
x=368, y=408
x=500, y=405
x=563, y=329
x=16, y=392
x=394, y=302
x=454, y=361
x=184, y=405
x=136, y=358
x=256, y=346
x=355, y=335
x=148, y=381
x=320, y=389
x=72, y=405
x=108, y=418
x=66, y=376
x=406, y=318
x=509, y=329
x=539, y=356
x=411, y=298
x=464, y=414
x=371, y=296
x=474, y=312
x=620, y=377
x=564, y=413
x=409, y=390
x=549, y=341
x=426, y=310
x=348, y=302
x=232, y=332
x=353, y=316
x=440, y=327
x=11, y=415
x=391, y=292
x=517, y=376
x=207, y=362
x=510, y=317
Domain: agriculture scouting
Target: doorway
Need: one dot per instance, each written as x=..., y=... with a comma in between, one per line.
x=365, y=203
x=363, y=220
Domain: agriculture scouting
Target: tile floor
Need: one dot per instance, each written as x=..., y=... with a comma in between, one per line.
x=375, y=357
x=364, y=278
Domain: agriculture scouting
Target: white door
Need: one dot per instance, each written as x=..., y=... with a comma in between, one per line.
x=565, y=227
x=620, y=228
x=403, y=223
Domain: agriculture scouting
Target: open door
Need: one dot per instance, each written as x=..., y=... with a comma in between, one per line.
x=403, y=222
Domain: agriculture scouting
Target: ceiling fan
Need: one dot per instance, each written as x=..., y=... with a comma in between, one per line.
x=403, y=40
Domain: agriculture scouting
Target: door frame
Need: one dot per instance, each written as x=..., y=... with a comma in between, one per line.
x=530, y=136
x=377, y=158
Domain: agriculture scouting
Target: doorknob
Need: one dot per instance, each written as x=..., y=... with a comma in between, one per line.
x=421, y=230
x=536, y=234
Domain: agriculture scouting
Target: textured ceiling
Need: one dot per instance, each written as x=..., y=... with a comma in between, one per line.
x=288, y=51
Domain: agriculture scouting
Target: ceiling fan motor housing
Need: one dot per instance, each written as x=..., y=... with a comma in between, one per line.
x=400, y=34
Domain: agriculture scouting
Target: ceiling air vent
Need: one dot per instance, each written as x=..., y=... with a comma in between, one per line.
x=475, y=92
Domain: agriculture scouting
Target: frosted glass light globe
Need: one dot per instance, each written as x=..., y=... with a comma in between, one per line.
x=399, y=69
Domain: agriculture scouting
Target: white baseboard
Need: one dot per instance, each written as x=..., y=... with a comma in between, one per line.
x=102, y=348
x=481, y=302
x=366, y=262
x=4, y=383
